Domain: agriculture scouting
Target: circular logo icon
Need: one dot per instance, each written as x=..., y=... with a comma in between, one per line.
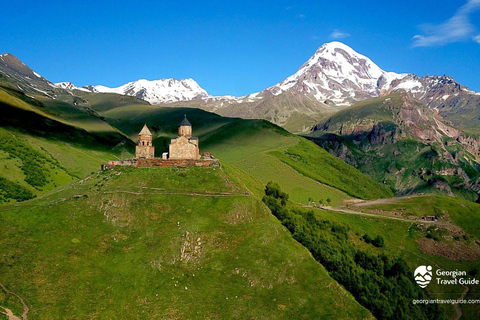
x=423, y=275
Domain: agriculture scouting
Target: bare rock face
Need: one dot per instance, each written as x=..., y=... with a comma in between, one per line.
x=472, y=145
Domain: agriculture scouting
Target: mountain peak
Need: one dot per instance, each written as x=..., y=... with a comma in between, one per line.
x=337, y=45
x=338, y=73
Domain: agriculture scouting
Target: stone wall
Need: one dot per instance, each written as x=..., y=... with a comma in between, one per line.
x=157, y=162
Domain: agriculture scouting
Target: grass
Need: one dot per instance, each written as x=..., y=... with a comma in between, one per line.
x=102, y=248
x=246, y=144
x=114, y=240
x=28, y=171
x=319, y=165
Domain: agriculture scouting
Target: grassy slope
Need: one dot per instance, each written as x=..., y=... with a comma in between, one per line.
x=112, y=246
x=53, y=131
x=249, y=151
x=318, y=164
x=463, y=213
x=401, y=238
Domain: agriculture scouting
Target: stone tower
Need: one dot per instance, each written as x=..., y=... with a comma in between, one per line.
x=185, y=128
x=184, y=146
x=145, y=147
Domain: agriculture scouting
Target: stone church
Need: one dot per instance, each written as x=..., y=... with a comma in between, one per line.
x=183, y=151
x=182, y=147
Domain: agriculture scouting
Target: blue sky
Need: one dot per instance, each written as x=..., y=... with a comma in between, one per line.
x=237, y=47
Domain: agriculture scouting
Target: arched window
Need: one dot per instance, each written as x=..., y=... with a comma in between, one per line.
x=143, y=142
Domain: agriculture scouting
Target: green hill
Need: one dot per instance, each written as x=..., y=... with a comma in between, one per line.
x=161, y=243
x=41, y=151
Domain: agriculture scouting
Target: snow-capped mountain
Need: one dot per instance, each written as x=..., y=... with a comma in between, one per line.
x=157, y=91
x=337, y=73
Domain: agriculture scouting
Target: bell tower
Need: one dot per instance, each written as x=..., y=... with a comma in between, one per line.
x=185, y=128
x=145, y=147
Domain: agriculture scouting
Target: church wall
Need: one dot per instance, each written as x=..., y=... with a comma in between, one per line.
x=183, y=148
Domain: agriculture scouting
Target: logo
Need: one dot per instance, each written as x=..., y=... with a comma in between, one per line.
x=423, y=275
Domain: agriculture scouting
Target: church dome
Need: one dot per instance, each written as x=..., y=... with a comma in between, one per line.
x=185, y=122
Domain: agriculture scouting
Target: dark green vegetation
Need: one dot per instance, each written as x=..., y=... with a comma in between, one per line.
x=401, y=143
x=161, y=243
x=25, y=171
x=11, y=190
x=41, y=151
x=381, y=283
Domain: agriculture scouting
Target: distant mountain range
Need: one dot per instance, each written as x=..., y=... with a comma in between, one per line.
x=335, y=77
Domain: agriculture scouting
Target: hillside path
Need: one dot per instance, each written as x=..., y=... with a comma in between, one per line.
x=206, y=194
x=8, y=312
x=373, y=215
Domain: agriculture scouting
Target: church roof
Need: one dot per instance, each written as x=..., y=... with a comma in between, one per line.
x=145, y=131
x=185, y=122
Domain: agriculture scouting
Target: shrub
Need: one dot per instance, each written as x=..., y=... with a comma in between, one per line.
x=12, y=190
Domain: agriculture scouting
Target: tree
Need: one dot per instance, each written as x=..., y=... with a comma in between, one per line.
x=329, y=201
x=378, y=242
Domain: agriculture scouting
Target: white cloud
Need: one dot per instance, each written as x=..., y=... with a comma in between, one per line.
x=337, y=34
x=477, y=38
x=457, y=28
x=301, y=16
